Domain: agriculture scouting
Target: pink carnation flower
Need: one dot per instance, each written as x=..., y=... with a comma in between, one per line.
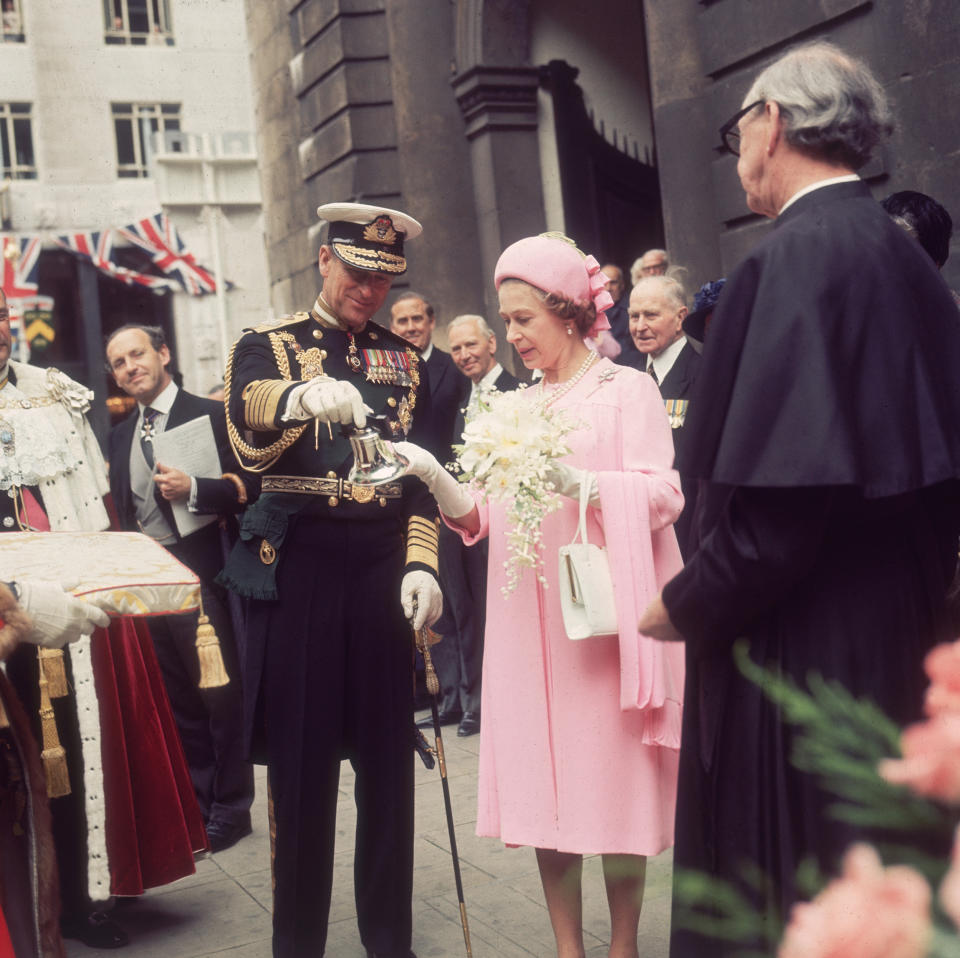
x=931, y=758
x=950, y=887
x=868, y=912
x=942, y=664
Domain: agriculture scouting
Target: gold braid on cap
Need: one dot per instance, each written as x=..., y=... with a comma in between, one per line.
x=422, y=542
x=268, y=455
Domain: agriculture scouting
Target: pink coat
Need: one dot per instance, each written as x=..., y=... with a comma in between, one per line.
x=579, y=741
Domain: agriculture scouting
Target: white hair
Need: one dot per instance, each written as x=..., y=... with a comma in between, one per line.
x=670, y=286
x=480, y=322
x=831, y=104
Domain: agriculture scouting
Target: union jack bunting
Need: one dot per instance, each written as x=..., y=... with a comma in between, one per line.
x=20, y=258
x=97, y=246
x=158, y=237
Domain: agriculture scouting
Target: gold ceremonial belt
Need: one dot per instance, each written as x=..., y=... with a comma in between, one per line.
x=338, y=488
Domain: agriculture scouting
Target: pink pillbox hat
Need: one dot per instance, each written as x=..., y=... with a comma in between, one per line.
x=553, y=263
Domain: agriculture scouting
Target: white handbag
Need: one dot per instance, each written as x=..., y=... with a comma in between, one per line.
x=586, y=588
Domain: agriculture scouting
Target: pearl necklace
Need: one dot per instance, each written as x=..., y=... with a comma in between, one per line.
x=544, y=401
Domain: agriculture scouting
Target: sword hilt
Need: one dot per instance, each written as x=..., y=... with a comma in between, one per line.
x=423, y=644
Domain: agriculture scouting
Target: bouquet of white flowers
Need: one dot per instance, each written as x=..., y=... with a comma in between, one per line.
x=507, y=449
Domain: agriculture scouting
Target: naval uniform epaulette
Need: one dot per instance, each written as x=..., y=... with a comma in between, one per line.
x=278, y=323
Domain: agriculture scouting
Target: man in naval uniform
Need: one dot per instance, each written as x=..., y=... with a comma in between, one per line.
x=334, y=571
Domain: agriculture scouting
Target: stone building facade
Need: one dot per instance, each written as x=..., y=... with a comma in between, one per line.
x=89, y=84
x=493, y=119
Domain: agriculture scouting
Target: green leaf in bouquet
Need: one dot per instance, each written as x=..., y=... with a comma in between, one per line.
x=717, y=909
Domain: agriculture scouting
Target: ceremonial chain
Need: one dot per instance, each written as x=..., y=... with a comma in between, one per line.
x=544, y=401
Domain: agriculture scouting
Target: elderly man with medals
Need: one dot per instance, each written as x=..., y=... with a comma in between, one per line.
x=334, y=570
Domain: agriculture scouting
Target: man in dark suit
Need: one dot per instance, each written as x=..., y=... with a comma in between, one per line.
x=617, y=315
x=463, y=571
x=144, y=493
x=412, y=317
x=657, y=311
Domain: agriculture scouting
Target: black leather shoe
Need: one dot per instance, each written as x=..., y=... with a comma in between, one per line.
x=469, y=724
x=446, y=718
x=96, y=930
x=224, y=835
x=378, y=954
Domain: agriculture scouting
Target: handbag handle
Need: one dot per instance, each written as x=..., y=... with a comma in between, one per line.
x=581, y=532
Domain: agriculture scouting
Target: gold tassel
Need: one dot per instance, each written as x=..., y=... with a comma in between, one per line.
x=54, y=755
x=52, y=664
x=430, y=673
x=213, y=673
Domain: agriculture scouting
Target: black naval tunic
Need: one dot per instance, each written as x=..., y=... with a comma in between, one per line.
x=327, y=670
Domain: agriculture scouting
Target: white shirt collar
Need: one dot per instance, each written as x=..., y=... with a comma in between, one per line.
x=425, y=355
x=486, y=384
x=846, y=178
x=164, y=401
x=325, y=315
x=664, y=362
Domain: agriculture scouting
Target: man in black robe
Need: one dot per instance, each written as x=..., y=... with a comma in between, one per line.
x=829, y=452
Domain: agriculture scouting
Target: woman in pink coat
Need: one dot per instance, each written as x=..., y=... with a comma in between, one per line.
x=579, y=740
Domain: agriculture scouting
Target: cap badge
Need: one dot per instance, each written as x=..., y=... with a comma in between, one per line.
x=380, y=231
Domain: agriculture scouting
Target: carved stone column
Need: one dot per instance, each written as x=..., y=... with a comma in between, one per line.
x=499, y=107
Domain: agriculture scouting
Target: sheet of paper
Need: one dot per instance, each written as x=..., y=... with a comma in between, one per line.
x=191, y=448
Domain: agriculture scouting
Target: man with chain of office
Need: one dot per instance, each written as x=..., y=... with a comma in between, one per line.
x=334, y=570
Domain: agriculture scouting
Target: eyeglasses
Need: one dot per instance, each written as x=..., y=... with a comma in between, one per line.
x=730, y=132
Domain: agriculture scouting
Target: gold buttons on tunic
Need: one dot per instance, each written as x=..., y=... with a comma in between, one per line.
x=333, y=501
x=323, y=354
x=391, y=402
x=383, y=501
x=331, y=475
x=318, y=334
x=374, y=336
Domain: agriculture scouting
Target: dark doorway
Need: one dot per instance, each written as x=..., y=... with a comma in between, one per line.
x=611, y=200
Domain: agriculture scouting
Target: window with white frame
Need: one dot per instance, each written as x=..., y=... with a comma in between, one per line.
x=133, y=124
x=16, y=142
x=138, y=22
x=11, y=21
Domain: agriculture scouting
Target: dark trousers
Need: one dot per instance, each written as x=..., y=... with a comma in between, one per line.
x=210, y=721
x=335, y=655
x=459, y=657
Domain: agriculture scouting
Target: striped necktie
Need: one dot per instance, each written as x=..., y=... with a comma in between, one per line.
x=653, y=374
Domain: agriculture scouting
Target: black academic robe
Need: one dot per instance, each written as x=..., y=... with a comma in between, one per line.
x=827, y=523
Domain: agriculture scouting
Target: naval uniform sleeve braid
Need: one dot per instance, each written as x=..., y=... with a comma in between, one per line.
x=422, y=544
x=262, y=402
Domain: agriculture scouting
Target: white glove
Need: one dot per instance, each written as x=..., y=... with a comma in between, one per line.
x=58, y=617
x=422, y=586
x=329, y=400
x=452, y=497
x=567, y=480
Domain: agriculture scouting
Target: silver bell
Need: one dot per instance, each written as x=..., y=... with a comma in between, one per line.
x=375, y=461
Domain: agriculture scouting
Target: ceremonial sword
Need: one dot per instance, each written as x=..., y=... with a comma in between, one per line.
x=422, y=639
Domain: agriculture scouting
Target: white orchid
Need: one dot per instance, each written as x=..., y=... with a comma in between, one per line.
x=507, y=448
